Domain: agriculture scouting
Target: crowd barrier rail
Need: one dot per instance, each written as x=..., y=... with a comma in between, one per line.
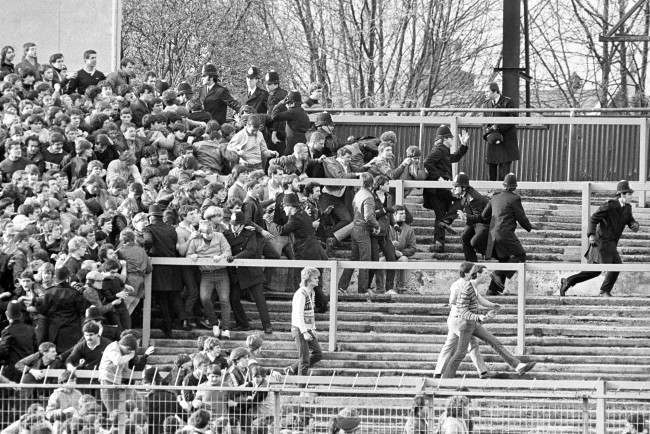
x=381, y=404
x=335, y=268
x=421, y=119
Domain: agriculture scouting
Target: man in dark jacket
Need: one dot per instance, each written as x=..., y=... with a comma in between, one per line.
x=323, y=141
x=305, y=243
x=141, y=106
x=64, y=307
x=296, y=118
x=503, y=212
x=215, y=98
x=605, y=228
x=256, y=97
x=166, y=282
x=17, y=340
x=502, y=147
x=438, y=167
x=244, y=245
x=469, y=206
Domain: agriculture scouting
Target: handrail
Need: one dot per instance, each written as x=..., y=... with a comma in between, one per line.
x=335, y=266
x=456, y=122
x=477, y=110
x=482, y=120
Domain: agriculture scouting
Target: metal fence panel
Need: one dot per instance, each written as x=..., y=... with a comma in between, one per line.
x=598, y=152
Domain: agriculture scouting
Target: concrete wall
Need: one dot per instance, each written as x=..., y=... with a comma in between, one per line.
x=65, y=26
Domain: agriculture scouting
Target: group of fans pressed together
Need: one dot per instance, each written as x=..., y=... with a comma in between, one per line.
x=103, y=172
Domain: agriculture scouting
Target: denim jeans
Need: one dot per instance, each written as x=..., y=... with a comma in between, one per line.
x=215, y=280
x=309, y=352
x=449, y=348
x=361, y=251
x=467, y=329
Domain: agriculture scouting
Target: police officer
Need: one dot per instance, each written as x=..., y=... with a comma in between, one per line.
x=469, y=206
x=256, y=97
x=244, y=245
x=438, y=167
x=215, y=98
x=323, y=141
x=503, y=212
x=297, y=120
x=605, y=228
x=276, y=95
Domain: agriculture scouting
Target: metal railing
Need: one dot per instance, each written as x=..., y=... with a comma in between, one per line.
x=335, y=268
x=380, y=404
x=422, y=120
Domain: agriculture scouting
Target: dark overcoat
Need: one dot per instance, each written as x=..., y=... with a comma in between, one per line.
x=438, y=165
x=216, y=102
x=64, y=308
x=508, y=149
x=244, y=246
x=305, y=243
x=503, y=212
x=607, y=225
x=160, y=240
x=258, y=100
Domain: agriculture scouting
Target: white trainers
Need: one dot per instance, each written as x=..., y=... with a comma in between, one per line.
x=522, y=368
x=391, y=292
x=225, y=334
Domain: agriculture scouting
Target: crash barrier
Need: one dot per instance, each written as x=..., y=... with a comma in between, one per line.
x=313, y=404
x=576, y=146
x=335, y=268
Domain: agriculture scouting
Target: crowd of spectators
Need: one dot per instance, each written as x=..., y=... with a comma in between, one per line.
x=103, y=171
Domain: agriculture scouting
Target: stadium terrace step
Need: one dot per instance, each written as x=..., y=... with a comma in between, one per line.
x=570, y=338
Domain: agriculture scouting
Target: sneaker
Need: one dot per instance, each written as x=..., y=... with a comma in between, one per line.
x=225, y=334
x=392, y=292
x=522, y=368
x=564, y=286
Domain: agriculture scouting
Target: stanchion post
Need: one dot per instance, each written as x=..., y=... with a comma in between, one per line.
x=146, y=312
x=334, y=299
x=643, y=159
x=601, y=412
x=521, y=309
x=277, y=410
x=569, y=151
x=586, y=214
x=454, y=130
x=399, y=192
x=421, y=132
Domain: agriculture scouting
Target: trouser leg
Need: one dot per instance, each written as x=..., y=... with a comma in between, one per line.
x=363, y=240
x=302, y=365
x=504, y=169
x=237, y=309
x=163, y=299
x=487, y=337
x=206, y=288
x=480, y=238
x=581, y=277
x=314, y=348
x=465, y=332
x=257, y=292
x=222, y=285
x=466, y=238
x=191, y=279
x=492, y=172
x=441, y=206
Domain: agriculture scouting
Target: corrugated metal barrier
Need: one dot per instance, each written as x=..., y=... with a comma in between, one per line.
x=598, y=152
